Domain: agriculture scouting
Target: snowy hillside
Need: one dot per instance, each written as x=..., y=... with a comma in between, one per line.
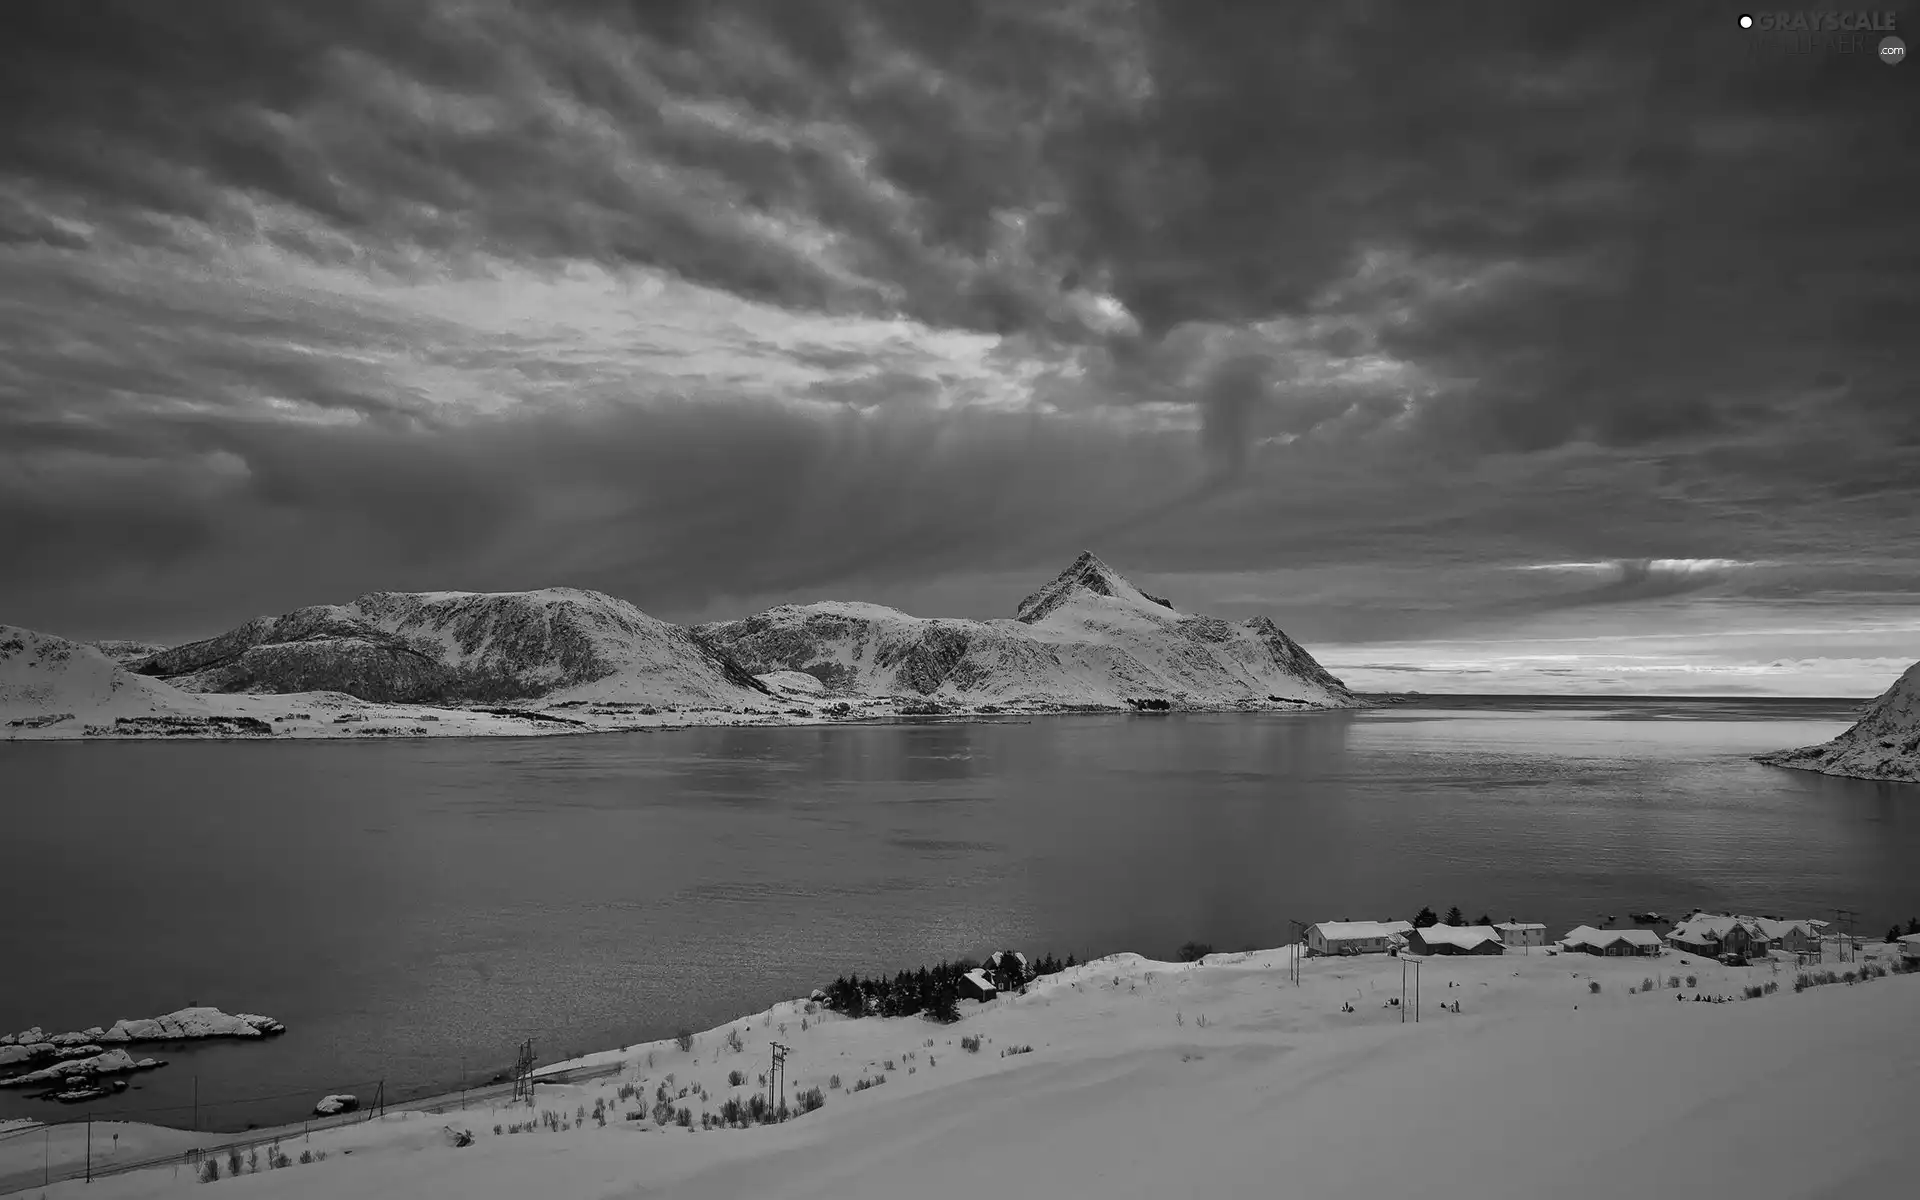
x=451, y=647
x=48, y=681
x=1883, y=744
x=1088, y=638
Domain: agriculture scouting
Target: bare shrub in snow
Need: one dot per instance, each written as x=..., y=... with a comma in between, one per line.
x=971, y=1044
x=1593, y=985
x=684, y=1040
x=736, y=1078
x=210, y=1170
x=733, y=1041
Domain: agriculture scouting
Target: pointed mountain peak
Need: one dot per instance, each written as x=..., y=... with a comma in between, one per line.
x=1087, y=576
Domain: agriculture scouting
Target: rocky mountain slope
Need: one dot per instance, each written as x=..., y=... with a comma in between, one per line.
x=1883, y=744
x=465, y=647
x=1088, y=639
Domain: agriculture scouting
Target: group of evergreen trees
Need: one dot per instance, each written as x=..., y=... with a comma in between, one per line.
x=1893, y=931
x=1454, y=917
x=934, y=991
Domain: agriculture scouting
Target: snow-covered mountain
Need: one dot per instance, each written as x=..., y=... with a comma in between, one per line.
x=453, y=647
x=1883, y=744
x=1089, y=638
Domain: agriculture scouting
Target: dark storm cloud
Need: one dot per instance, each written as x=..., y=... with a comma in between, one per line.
x=1303, y=283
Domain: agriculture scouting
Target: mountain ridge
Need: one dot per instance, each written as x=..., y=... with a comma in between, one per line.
x=1087, y=639
x=573, y=660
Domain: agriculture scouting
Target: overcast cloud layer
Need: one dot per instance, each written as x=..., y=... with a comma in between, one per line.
x=1490, y=347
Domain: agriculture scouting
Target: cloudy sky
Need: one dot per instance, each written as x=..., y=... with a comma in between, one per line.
x=1488, y=347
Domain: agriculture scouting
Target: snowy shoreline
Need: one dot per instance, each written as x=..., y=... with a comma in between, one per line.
x=333, y=717
x=1084, y=1064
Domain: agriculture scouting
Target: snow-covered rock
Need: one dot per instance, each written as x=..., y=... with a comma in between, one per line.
x=1088, y=638
x=109, y=1062
x=20, y=1052
x=793, y=683
x=334, y=1105
x=453, y=647
x=191, y=1024
x=1883, y=744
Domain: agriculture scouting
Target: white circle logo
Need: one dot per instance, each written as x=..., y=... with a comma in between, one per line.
x=1746, y=22
x=1893, y=51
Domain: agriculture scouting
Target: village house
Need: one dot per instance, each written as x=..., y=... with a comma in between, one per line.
x=1612, y=943
x=975, y=985
x=1519, y=933
x=1720, y=936
x=1794, y=937
x=1007, y=968
x=1910, y=948
x=1356, y=937
x=1455, y=939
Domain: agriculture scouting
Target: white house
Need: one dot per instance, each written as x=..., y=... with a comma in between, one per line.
x=1356, y=937
x=1521, y=933
x=1910, y=948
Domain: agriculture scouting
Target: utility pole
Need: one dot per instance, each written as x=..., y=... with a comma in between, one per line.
x=196, y=1103
x=1844, y=917
x=1299, y=947
x=89, y=1147
x=776, y=1075
x=463, y=1082
x=1416, y=961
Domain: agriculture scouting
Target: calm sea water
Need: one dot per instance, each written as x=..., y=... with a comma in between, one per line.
x=412, y=910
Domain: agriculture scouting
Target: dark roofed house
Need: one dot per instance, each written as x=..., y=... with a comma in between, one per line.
x=975, y=985
x=1720, y=937
x=1455, y=939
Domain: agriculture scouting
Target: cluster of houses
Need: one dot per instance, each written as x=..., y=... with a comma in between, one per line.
x=1727, y=938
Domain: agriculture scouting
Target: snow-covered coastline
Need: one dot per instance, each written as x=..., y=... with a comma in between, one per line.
x=1883, y=744
x=1129, y=1077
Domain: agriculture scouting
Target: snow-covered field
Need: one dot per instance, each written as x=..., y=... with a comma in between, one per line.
x=1222, y=1079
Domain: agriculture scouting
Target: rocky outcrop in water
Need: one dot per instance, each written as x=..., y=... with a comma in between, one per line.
x=1883, y=744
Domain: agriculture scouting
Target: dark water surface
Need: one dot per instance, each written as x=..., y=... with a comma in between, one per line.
x=413, y=909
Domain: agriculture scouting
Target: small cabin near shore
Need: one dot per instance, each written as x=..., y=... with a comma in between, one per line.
x=1455, y=939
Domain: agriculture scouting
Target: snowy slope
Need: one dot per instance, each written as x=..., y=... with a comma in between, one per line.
x=1883, y=744
x=410, y=647
x=48, y=681
x=1088, y=638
